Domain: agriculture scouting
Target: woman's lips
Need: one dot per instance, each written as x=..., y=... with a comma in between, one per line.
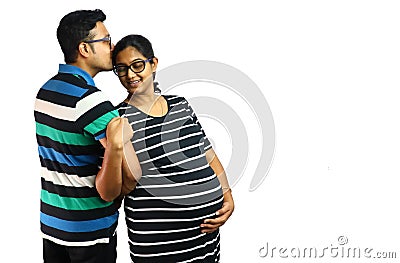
x=133, y=83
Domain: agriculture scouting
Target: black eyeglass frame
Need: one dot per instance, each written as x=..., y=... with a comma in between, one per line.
x=130, y=67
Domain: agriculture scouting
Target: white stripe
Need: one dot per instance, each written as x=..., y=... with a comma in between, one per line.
x=163, y=220
x=176, y=184
x=89, y=102
x=176, y=104
x=168, y=141
x=202, y=257
x=131, y=114
x=178, y=163
x=178, y=251
x=174, y=209
x=166, y=242
x=83, y=243
x=207, y=147
x=176, y=173
x=175, y=196
x=172, y=153
x=124, y=107
x=177, y=111
x=164, y=123
x=55, y=110
x=162, y=231
x=174, y=97
x=67, y=179
x=167, y=131
x=141, y=120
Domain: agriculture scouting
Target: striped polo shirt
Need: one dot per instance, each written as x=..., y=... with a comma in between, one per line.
x=71, y=115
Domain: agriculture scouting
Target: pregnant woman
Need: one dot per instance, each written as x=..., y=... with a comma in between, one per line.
x=183, y=197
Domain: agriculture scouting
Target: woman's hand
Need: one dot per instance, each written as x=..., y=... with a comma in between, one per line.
x=223, y=214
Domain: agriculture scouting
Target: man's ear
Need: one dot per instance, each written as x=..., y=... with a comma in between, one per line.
x=83, y=49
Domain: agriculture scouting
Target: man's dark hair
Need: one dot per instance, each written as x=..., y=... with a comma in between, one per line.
x=74, y=28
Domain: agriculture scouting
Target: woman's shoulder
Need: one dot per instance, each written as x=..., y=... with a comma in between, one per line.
x=122, y=106
x=126, y=109
x=174, y=99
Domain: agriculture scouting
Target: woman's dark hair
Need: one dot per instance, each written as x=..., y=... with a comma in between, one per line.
x=74, y=28
x=141, y=44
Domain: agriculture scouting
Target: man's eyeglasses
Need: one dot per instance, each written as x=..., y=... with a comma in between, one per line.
x=137, y=66
x=105, y=39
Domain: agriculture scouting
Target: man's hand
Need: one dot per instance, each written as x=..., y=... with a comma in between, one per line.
x=119, y=132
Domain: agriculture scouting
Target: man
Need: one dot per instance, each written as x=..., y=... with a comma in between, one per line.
x=74, y=124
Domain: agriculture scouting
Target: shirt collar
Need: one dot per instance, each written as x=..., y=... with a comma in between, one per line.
x=70, y=69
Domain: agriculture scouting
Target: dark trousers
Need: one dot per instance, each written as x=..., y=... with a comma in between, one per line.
x=99, y=253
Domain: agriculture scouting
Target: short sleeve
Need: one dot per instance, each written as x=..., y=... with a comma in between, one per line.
x=94, y=112
x=207, y=143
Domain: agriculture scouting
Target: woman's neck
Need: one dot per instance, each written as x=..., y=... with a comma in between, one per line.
x=151, y=104
x=141, y=99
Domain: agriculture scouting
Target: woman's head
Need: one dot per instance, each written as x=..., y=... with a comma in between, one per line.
x=140, y=43
x=134, y=61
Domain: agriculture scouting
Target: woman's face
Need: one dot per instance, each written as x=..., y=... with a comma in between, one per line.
x=141, y=82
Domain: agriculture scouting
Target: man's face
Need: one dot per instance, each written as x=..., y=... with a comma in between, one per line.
x=101, y=50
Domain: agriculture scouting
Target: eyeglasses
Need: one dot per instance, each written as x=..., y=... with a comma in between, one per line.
x=105, y=39
x=137, y=66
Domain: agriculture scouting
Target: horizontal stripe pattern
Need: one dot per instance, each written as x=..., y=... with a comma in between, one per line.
x=177, y=191
x=78, y=226
x=71, y=115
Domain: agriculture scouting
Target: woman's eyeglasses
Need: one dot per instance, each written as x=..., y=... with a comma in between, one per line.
x=137, y=66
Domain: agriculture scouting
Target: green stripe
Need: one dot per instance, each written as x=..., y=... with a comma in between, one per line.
x=97, y=125
x=72, y=203
x=62, y=136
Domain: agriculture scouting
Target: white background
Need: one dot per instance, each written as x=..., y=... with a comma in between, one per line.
x=329, y=71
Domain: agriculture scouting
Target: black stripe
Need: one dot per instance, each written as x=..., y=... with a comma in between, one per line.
x=141, y=237
x=96, y=112
x=179, y=246
x=95, y=149
x=78, y=236
x=81, y=171
x=57, y=98
x=69, y=191
x=74, y=215
x=59, y=124
x=176, y=214
x=179, y=178
x=71, y=79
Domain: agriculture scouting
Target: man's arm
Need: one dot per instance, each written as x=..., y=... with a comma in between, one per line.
x=109, y=178
x=131, y=170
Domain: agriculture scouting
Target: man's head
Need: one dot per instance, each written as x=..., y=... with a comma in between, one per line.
x=85, y=41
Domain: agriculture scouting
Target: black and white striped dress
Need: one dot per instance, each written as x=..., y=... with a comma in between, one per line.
x=177, y=191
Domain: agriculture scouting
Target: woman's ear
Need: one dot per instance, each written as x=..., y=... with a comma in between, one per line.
x=154, y=64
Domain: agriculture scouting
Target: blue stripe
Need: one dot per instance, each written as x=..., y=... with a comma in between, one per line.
x=100, y=136
x=78, y=226
x=64, y=88
x=68, y=159
x=70, y=69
